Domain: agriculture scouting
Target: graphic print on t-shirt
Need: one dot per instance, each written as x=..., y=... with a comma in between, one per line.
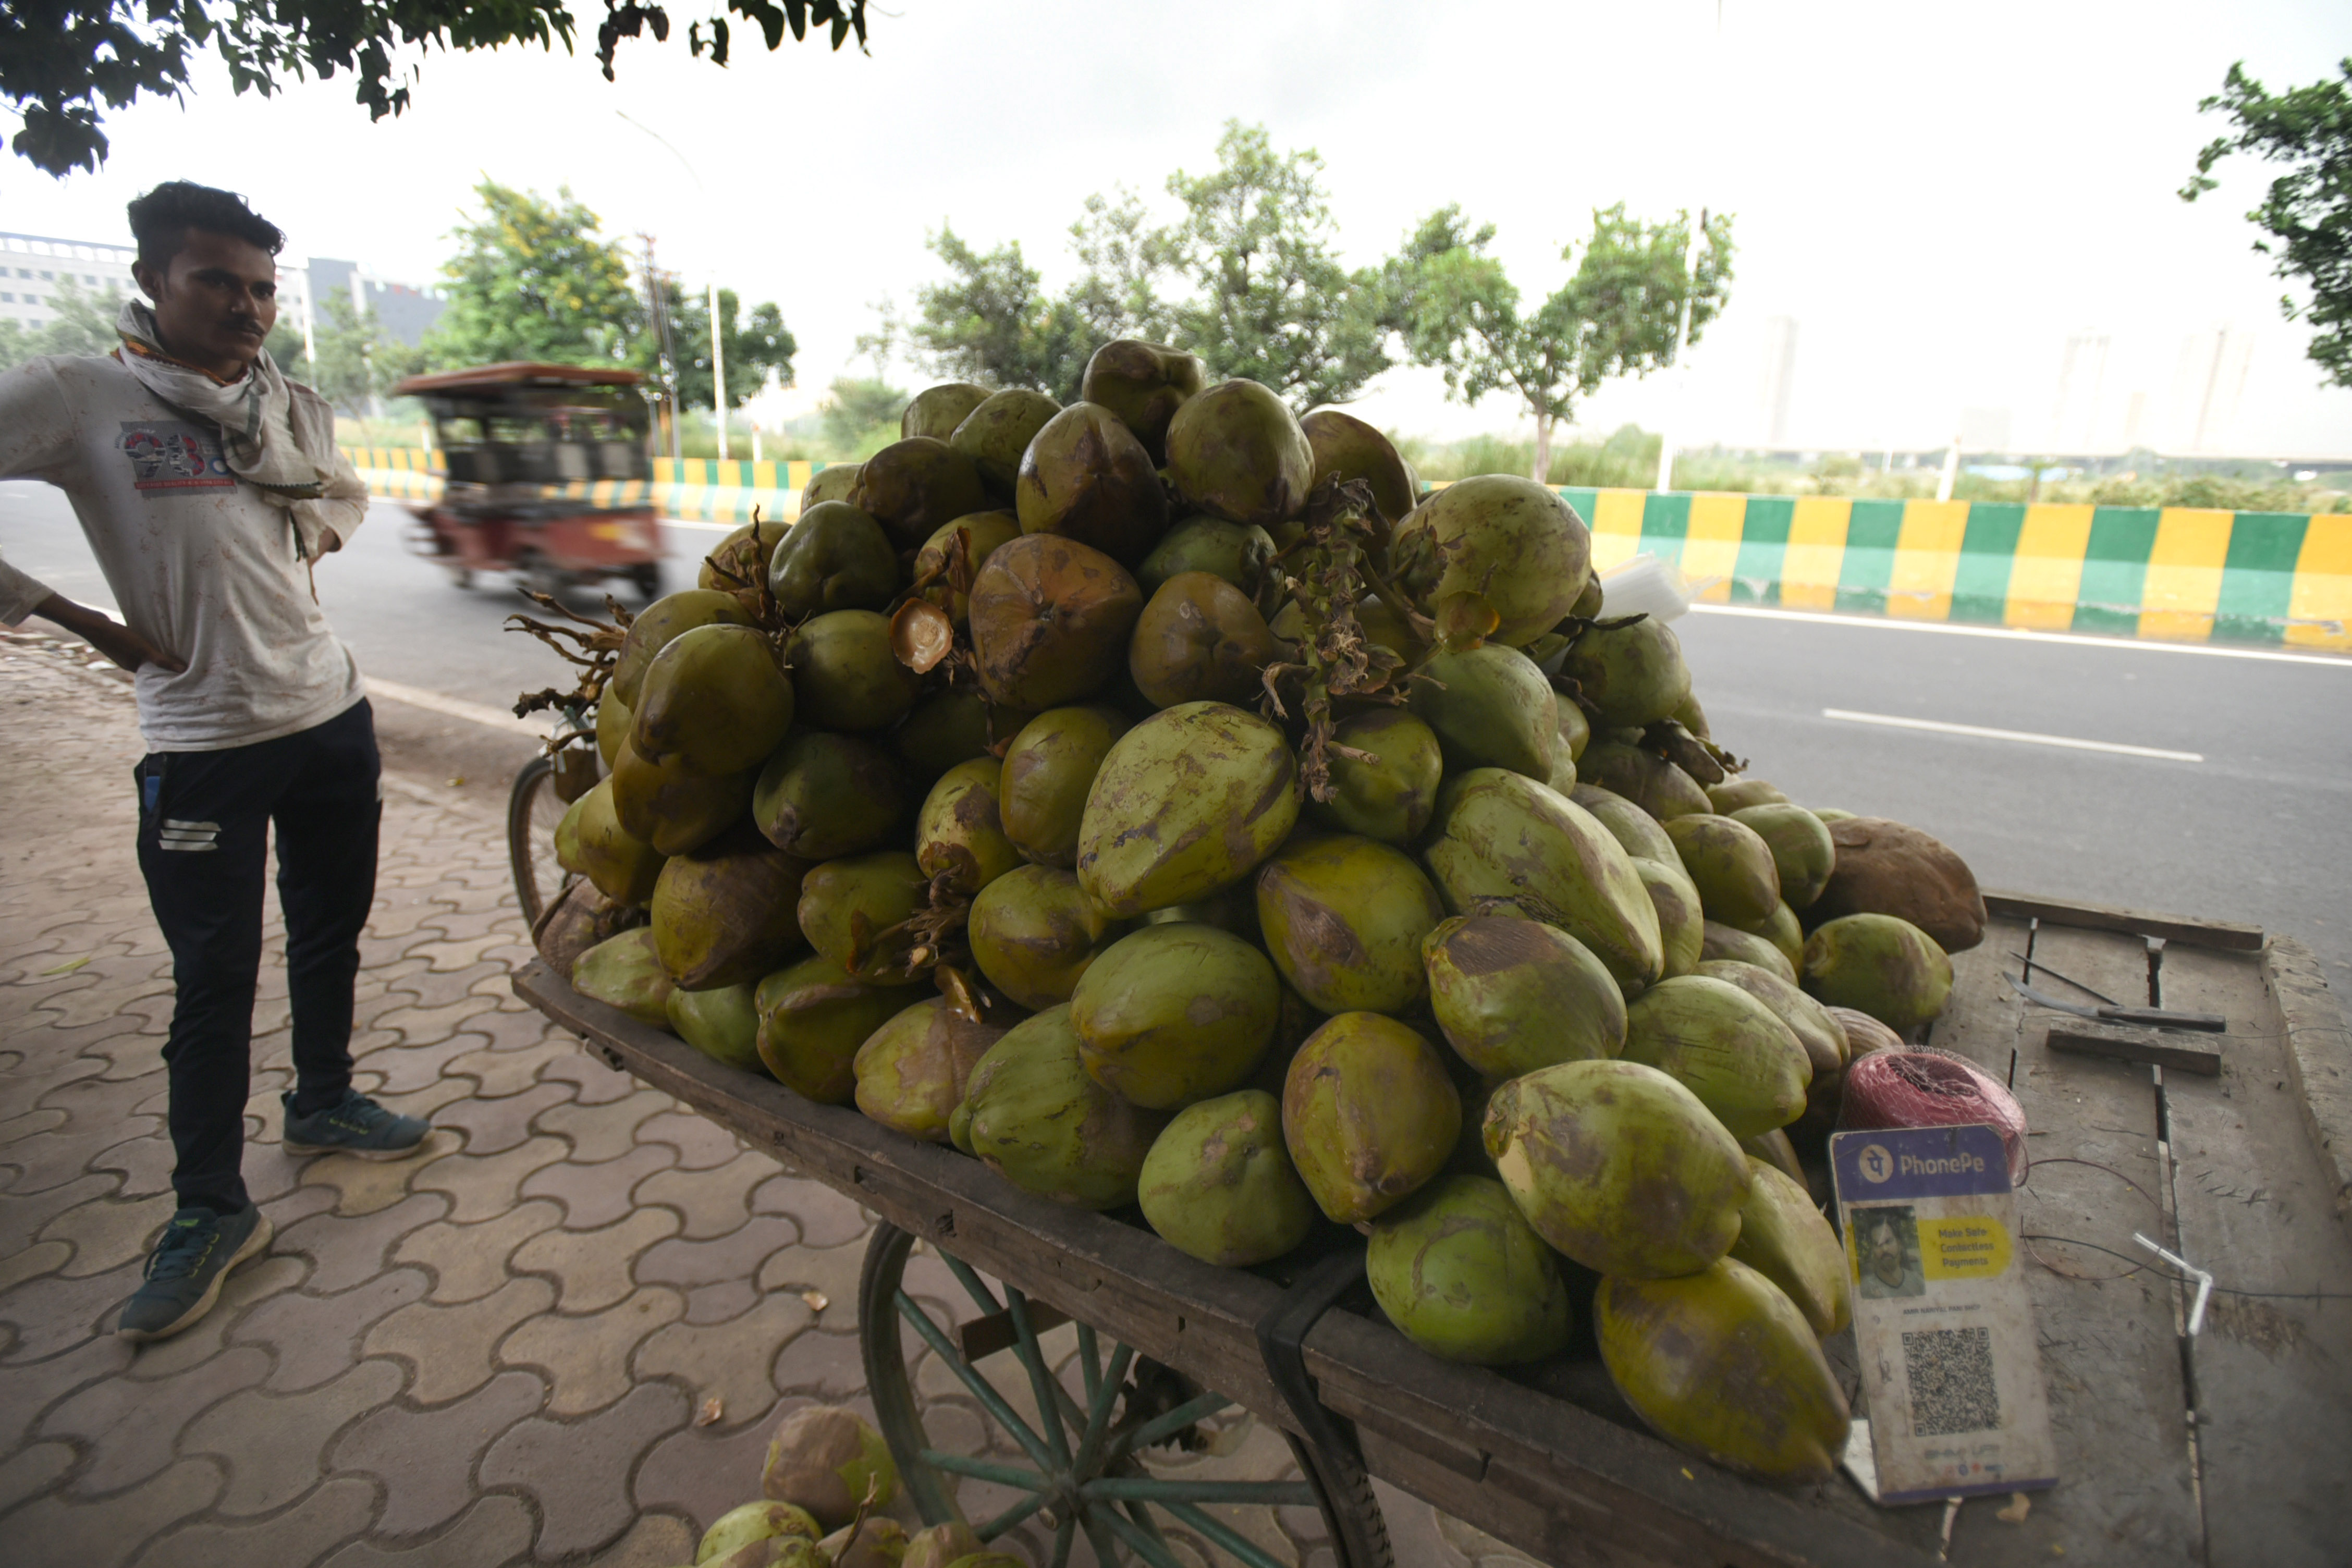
x=173, y=455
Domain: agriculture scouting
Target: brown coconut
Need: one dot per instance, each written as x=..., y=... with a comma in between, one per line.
x=1892, y=869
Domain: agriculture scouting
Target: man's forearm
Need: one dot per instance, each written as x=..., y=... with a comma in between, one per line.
x=104, y=633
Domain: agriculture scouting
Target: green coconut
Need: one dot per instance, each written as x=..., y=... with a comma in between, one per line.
x=1049, y=617
x=945, y=1545
x=1633, y=674
x=1879, y=964
x=1344, y=918
x=725, y=914
x=1143, y=385
x=1512, y=995
x=1369, y=1115
x=1784, y=1237
x=1782, y=930
x=1804, y=853
x=982, y=532
x=1490, y=708
x=1723, y=942
x=722, y=1022
x=1235, y=451
x=1725, y=1046
x=913, y=486
x=624, y=972
x=1199, y=640
x=1682, y=923
x=1174, y=1013
x=950, y=727
x=1034, y=931
x=848, y=905
x=622, y=866
x=1503, y=844
x=936, y=411
x=1188, y=801
x=1731, y=866
x=1347, y=448
x=739, y=1527
x=846, y=673
x=1723, y=1364
x=660, y=621
x=1574, y=729
x=1034, y=1115
x=912, y=1071
x=1619, y=1166
x=1236, y=552
x=1048, y=768
x=1735, y=794
x=813, y=1017
x=1642, y=834
x=1823, y=1040
x=996, y=434
x=1462, y=1274
x=831, y=481
x=1219, y=1184
x=1646, y=779
x=669, y=806
x=822, y=796
x=1385, y=767
x=1086, y=477
x=830, y=1461
x=1507, y=543
x=958, y=833
x=741, y=560
x=834, y=558
x=715, y=700
x=614, y=720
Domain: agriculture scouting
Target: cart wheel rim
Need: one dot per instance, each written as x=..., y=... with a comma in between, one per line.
x=1078, y=1474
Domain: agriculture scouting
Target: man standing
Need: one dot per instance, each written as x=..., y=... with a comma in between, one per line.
x=209, y=486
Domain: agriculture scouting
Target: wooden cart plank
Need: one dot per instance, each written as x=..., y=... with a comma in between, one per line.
x=1539, y=1462
x=2225, y=934
x=2318, y=1059
x=2109, y=1352
x=2255, y=1206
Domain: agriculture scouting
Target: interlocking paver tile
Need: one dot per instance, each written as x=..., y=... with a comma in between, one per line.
x=712, y=1201
x=579, y=1472
x=718, y=1302
x=586, y=1358
x=825, y=1216
x=702, y=1143
x=51, y=1532
x=52, y=1160
x=504, y=1072
x=420, y=1023
x=592, y=1268
x=513, y=1030
x=822, y=1365
x=426, y=1458
x=469, y=1261
x=601, y=1083
x=41, y=1257
x=302, y=1534
x=129, y=1428
x=314, y=1338
x=143, y=1163
x=448, y=1348
x=484, y=1187
x=832, y=1270
x=733, y=1361
x=367, y=1185
x=30, y=1471
x=30, y=1122
x=29, y=1389
x=703, y=1471
x=600, y=1130
x=595, y=1195
x=653, y=1540
x=493, y=1126
x=345, y=1252
x=109, y=1233
x=273, y=1442
x=495, y=1531
x=455, y=956
x=407, y=1069
x=735, y=1256
x=433, y=985
x=53, y=1312
x=244, y=1288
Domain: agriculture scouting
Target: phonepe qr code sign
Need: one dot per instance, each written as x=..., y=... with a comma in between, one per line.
x=1951, y=1376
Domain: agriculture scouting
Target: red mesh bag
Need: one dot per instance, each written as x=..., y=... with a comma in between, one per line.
x=1931, y=1089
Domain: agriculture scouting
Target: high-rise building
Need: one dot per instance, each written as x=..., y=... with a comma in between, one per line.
x=2208, y=384
x=2082, y=377
x=33, y=267
x=1779, y=379
x=406, y=310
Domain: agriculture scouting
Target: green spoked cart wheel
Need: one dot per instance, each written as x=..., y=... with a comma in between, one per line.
x=1080, y=1473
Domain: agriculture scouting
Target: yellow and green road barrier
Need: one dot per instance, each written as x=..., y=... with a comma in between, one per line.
x=2173, y=574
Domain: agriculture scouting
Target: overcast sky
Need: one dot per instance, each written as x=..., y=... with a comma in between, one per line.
x=1937, y=196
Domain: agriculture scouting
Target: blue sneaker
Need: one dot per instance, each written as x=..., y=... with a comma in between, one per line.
x=185, y=1272
x=358, y=1126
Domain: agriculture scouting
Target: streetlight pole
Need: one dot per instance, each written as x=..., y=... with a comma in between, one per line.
x=718, y=374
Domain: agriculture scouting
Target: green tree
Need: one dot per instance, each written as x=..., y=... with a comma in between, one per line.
x=991, y=322
x=1271, y=302
x=856, y=406
x=751, y=345
x=60, y=58
x=358, y=360
x=2308, y=211
x=533, y=280
x=1617, y=314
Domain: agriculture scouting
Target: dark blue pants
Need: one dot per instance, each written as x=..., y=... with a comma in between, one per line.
x=204, y=821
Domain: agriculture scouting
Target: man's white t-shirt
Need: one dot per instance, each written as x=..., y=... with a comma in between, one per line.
x=201, y=565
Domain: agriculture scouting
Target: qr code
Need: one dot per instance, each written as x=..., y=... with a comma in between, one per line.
x=1950, y=1375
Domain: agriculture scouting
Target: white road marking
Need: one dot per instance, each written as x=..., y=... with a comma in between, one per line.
x=2018, y=634
x=1938, y=727
x=455, y=707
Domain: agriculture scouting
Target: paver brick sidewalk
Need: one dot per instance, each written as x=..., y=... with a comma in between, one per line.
x=493, y=1352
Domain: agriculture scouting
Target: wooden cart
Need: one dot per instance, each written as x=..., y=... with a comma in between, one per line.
x=2230, y=1449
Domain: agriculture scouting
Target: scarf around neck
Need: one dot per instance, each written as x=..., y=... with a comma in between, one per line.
x=253, y=413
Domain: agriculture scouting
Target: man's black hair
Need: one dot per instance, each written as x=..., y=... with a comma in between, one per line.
x=161, y=219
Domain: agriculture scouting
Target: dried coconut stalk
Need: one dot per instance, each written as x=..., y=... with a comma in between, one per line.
x=1337, y=661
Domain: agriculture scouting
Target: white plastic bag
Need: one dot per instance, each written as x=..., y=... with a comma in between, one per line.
x=1646, y=585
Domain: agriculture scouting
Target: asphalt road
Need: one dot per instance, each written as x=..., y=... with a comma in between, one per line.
x=2259, y=830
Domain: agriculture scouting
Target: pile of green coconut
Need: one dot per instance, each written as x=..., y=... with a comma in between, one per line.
x=1164, y=800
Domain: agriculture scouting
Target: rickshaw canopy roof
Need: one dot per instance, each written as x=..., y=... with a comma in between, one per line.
x=516, y=373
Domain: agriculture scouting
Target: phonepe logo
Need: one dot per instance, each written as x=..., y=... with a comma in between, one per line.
x=1875, y=1164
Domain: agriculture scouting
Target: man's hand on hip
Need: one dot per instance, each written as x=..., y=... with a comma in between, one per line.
x=107, y=636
